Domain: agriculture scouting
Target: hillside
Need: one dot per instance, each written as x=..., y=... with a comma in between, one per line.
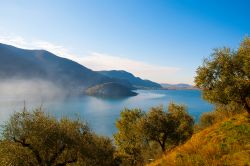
x=137, y=82
x=225, y=143
x=16, y=63
x=110, y=90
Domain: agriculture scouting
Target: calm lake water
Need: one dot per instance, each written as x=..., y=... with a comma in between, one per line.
x=101, y=113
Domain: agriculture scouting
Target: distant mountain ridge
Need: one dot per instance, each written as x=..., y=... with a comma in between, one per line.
x=177, y=86
x=17, y=63
x=21, y=63
x=136, y=82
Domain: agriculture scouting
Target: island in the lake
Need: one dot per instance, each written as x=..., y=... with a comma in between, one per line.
x=110, y=89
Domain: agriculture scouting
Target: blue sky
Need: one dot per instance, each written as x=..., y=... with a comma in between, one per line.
x=164, y=41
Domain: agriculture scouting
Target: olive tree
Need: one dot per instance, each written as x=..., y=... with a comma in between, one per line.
x=34, y=138
x=224, y=77
x=128, y=138
x=139, y=132
x=167, y=128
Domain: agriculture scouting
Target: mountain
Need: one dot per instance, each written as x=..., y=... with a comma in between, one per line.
x=16, y=63
x=136, y=82
x=177, y=86
x=111, y=89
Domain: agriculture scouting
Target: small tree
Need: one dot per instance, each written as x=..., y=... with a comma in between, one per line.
x=157, y=126
x=128, y=139
x=184, y=123
x=34, y=138
x=225, y=76
x=172, y=127
x=207, y=119
x=139, y=132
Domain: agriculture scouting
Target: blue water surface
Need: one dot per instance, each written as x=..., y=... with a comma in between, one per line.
x=101, y=113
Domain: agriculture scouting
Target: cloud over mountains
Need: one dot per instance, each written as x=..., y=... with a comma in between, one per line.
x=99, y=61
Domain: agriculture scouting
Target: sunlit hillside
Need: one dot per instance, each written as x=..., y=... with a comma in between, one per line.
x=225, y=143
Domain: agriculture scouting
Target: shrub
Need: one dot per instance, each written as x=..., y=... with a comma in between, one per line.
x=34, y=138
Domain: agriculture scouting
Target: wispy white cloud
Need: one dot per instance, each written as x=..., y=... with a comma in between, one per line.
x=99, y=61
x=19, y=41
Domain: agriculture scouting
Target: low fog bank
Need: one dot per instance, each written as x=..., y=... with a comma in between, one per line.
x=30, y=90
x=15, y=92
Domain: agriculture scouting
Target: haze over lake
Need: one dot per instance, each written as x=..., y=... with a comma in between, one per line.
x=101, y=113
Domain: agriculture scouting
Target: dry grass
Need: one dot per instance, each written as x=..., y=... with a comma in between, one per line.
x=224, y=143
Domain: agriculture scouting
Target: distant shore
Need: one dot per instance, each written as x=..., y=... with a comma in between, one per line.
x=179, y=88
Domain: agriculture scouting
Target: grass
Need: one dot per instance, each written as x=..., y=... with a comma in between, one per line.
x=224, y=143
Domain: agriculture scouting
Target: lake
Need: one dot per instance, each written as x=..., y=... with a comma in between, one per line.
x=102, y=113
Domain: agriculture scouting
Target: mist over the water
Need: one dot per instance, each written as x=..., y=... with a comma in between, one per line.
x=15, y=93
x=31, y=89
x=101, y=113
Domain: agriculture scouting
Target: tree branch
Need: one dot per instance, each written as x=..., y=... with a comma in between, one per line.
x=162, y=144
x=247, y=107
x=29, y=146
x=55, y=156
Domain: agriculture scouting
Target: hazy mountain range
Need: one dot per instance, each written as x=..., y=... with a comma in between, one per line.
x=177, y=86
x=21, y=63
x=17, y=63
x=137, y=82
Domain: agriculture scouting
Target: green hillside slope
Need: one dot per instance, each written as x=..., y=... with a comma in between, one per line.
x=225, y=143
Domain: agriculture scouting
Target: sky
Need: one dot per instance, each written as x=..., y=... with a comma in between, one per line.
x=161, y=40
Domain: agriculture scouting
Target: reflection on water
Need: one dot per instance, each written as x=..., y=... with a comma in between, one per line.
x=101, y=113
